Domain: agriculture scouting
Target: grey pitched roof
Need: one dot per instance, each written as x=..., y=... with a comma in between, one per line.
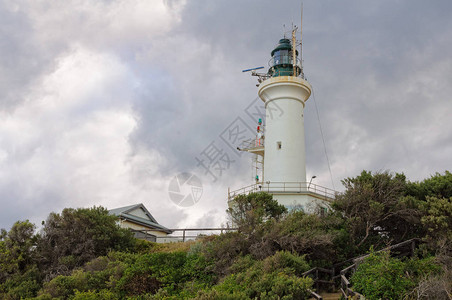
x=124, y=213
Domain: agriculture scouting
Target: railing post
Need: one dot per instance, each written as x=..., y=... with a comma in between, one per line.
x=317, y=279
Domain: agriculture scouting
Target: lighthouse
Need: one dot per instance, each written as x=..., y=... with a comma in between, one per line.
x=285, y=156
x=280, y=140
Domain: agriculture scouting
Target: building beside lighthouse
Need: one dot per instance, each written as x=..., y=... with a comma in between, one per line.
x=279, y=145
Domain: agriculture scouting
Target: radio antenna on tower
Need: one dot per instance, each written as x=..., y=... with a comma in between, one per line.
x=294, y=50
x=301, y=41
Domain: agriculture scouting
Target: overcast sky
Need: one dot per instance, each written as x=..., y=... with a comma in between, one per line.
x=104, y=102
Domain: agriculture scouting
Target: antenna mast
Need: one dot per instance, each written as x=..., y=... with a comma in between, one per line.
x=294, y=51
x=301, y=42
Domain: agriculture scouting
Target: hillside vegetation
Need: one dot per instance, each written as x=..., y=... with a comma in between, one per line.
x=83, y=254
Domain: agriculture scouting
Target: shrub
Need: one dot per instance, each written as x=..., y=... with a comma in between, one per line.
x=214, y=295
x=93, y=295
x=101, y=273
x=383, y=277
x=273, y=278
x=223, y=250
x=293, y=263
x=322, y=239
x=169, y=271
x=21, y=286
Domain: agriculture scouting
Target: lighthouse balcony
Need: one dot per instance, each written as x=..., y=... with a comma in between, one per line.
x=255, y=146
x=290, y=188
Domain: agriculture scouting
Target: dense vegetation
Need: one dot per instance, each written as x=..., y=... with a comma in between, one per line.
x=83, y=254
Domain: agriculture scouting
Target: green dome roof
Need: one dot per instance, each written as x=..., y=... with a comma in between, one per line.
x=284, y=44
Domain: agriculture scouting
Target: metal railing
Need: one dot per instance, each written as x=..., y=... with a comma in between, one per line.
x=284, y=187
x=252, y=143
x=195, y=234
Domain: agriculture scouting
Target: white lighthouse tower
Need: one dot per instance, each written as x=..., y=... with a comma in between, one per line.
x=284, y=158
x=281, y=140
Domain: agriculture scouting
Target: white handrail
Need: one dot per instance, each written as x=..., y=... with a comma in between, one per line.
x=284, y=187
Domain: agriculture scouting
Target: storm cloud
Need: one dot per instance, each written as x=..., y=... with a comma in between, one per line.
x=103, y=103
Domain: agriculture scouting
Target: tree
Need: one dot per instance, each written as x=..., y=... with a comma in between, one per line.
x=19, y=276
x=375, y=206
x=16, y=249
x=249, y=211
x=76, y=236
x=439, y=186
x=323, y=239
x=438, y=222
x=435, y=195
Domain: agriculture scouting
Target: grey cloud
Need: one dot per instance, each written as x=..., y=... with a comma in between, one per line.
x=380, y=72
x=22, y=59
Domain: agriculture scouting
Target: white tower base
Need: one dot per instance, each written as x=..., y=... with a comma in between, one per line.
x=310, y=198
x=309, y=202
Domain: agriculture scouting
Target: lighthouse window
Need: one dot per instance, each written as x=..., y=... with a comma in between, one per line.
x=278, y=145
x=281, y=57
x=285, y=56
x=277, y=58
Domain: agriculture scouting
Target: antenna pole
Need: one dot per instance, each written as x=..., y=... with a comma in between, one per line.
x=301, y=41
x=294, y=52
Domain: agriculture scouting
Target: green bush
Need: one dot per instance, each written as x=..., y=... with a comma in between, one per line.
x=93, y=295
x=101, y=273
x=215, y=295
x=324, y=240
x=222, y=251
x=21, y=286
x=383, y=277
x=293, y=263
x=241, y=264
x=197, y=267
x=288, y=287
x=274, y=278
x=126, y=275
x=169, y=271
